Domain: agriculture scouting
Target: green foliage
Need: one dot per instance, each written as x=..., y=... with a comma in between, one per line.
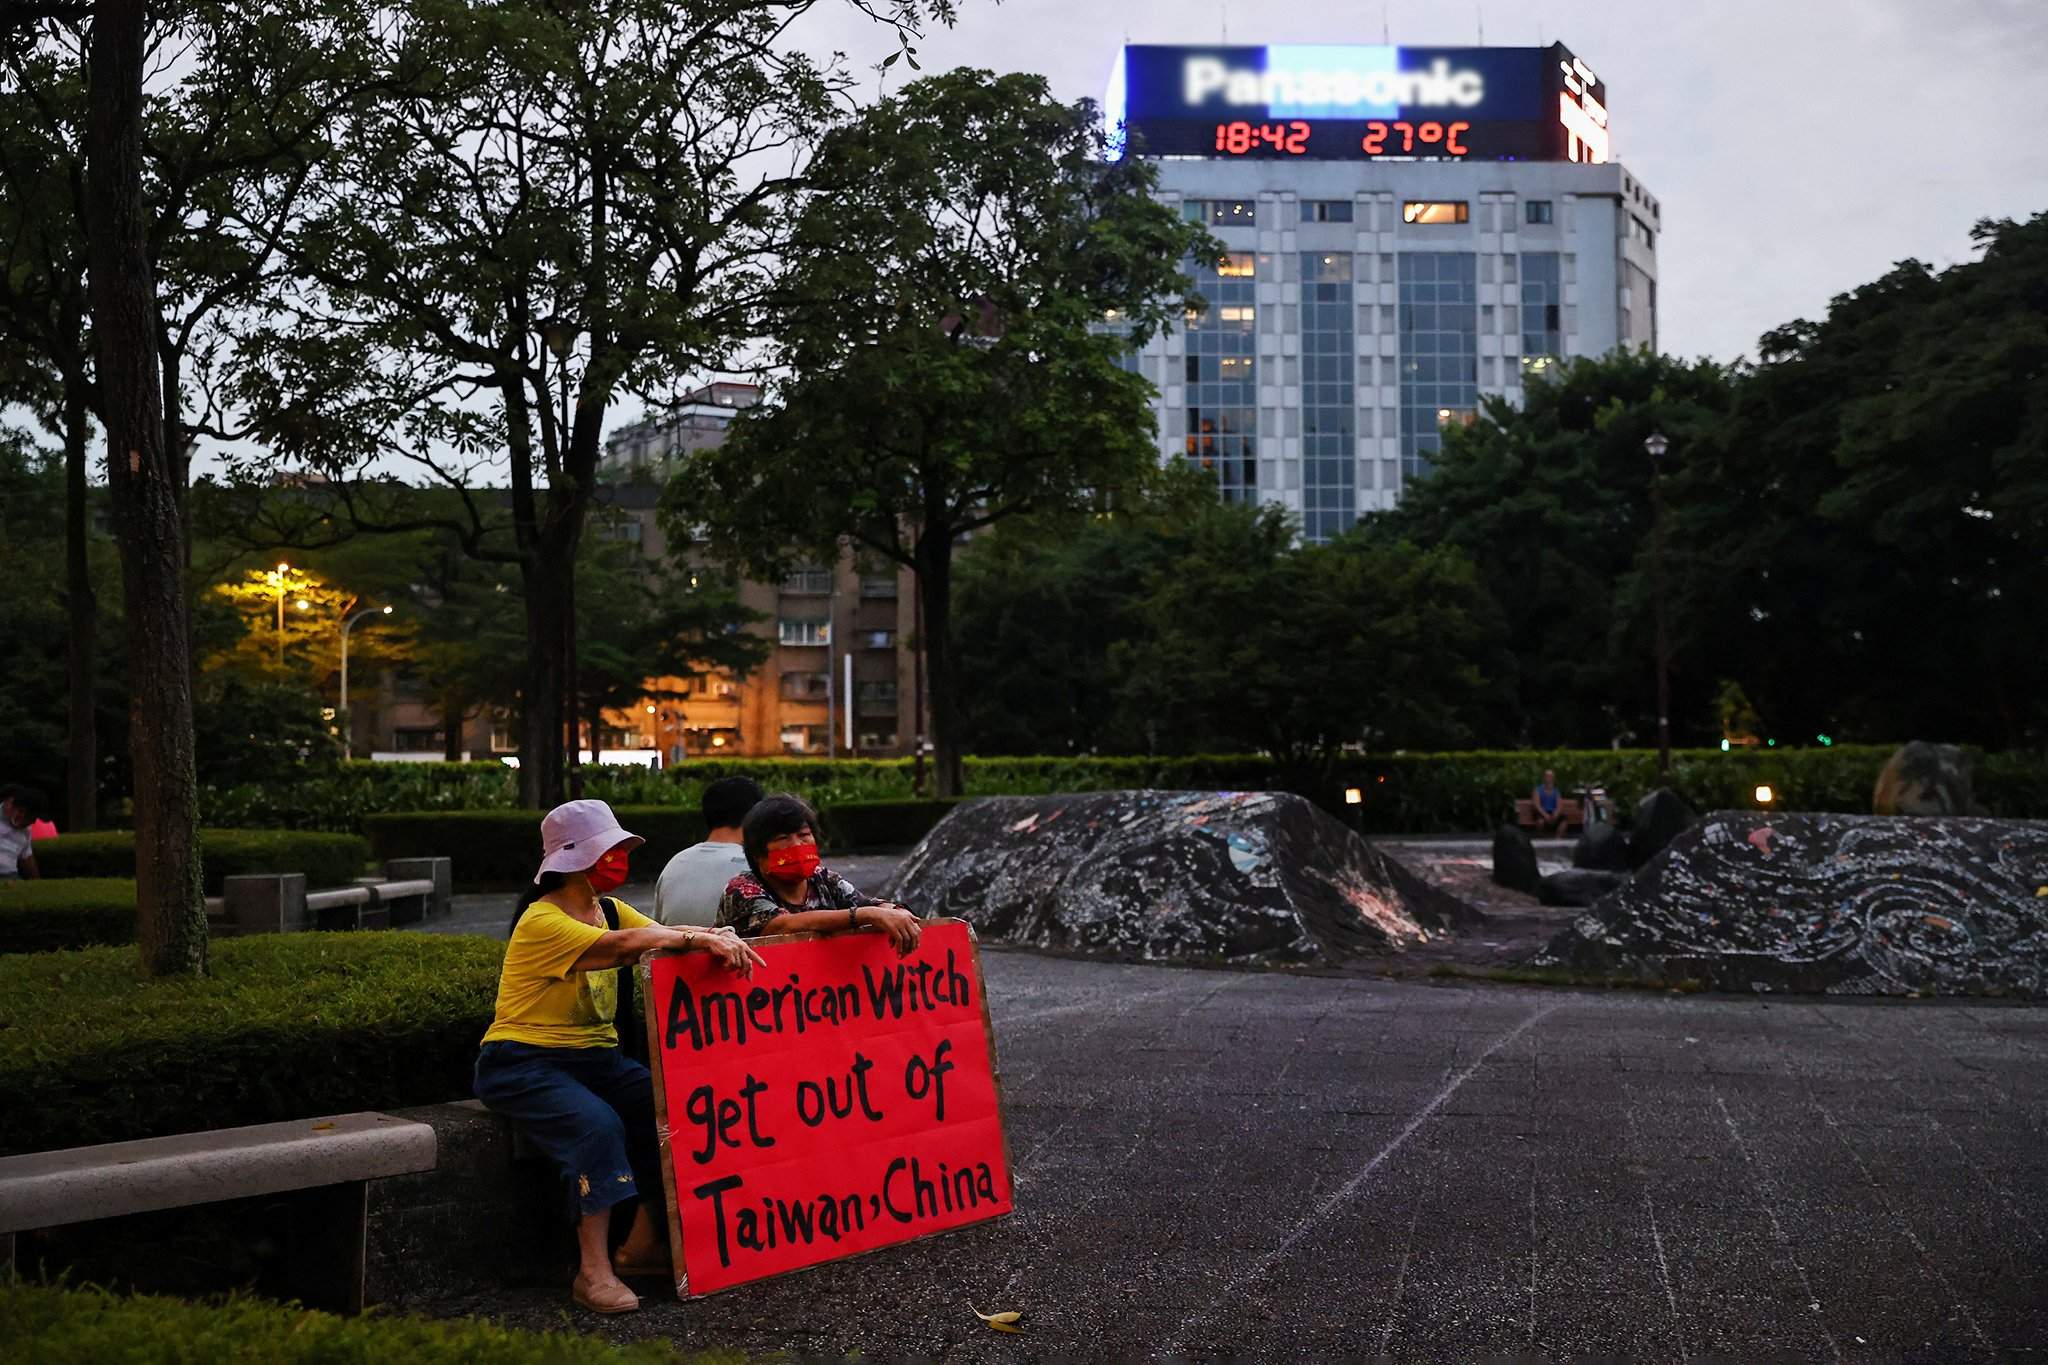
x=499, y=850
x=55, y=1326
x=879, y=824
x=76, y=912
x=256, y=730
x=282, y=1026
x=328, y=860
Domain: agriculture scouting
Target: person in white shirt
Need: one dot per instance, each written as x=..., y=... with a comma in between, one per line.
x=689, y=888
x=17, y=855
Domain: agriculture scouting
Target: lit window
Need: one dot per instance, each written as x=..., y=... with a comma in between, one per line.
x=1232, y=213
x=1235, y=265
x=792, y=631
x=1435, y=211
x=1326, y=210
x=1536, y=211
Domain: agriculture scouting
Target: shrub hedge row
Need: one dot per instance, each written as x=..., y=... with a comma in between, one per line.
x=497, y=850
x=326, y=859
x=75, y=912
x=54, y=1326
x=1421, y=793
x=283, y=1026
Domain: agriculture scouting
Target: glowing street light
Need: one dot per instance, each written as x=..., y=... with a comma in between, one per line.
x=348, y=735
x=1764, y=795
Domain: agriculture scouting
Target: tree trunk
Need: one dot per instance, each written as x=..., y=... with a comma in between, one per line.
x=573, y=777
x=540, y=725
x=935, y=583
x=452, y=711
x=82, y=609
x=147, y=506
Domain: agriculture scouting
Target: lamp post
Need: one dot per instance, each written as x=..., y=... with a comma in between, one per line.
x=348, y=734
x=1656, y=445
x=279, y=579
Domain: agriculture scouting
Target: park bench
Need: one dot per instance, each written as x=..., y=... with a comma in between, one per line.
x=324, y=1165
x=278, y=902
x=1571, y=809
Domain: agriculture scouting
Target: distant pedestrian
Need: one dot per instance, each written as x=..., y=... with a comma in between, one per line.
x=551, y=1062
x=695, y=878
x=1549, y=803
x=786, y=890
x=18, y=809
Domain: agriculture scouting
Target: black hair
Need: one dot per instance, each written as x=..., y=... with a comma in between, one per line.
x=773, y=817
x=727, y=801
x=28, y=799
x=549, y=883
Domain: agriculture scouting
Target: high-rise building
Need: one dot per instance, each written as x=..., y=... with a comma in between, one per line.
x=1406, y=230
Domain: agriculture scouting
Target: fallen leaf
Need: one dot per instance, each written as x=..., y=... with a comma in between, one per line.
x=1003, y=1321
x=1003, y=1326
x=322, y=1127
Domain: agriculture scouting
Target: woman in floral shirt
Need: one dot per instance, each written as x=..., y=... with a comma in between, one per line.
x=786, y=890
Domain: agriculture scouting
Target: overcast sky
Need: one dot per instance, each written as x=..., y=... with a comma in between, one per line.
x=1798, y=147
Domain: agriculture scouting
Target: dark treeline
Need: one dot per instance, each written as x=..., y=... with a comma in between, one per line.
x=1856, y=546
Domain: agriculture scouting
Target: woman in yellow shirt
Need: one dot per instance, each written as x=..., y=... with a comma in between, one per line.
x=551, y=1061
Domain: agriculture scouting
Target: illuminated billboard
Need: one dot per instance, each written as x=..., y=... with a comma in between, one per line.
x=1357, y=103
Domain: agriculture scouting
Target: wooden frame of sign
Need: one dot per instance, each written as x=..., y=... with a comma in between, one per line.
x=655, y=1052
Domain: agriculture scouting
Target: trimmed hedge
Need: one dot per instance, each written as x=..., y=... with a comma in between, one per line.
x=284, y=1026
x=78, y=912
x=327, y=859
x=497, y=850
x=879, y=824
x=53, y=1326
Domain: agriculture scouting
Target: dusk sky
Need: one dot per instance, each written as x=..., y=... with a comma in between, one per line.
x=1798, y=147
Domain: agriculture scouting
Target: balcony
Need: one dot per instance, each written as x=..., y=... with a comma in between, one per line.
x=878, y=587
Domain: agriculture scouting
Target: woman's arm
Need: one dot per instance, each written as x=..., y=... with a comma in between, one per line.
x=620, y=946
x=899, y=924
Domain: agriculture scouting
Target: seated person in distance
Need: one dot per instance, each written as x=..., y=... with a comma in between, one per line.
x=1549, y=803
x=786, y=890
x=551, y=1062
x=17, y=813
x=695, y=879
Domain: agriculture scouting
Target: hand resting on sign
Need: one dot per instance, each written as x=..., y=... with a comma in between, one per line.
x=620, y=946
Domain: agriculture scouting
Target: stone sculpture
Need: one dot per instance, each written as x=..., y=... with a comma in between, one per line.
x=1514, y=862
x=1851, y=904
x=1925, y=779
x=1241, y=877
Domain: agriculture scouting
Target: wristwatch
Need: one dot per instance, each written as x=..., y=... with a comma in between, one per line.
x=853, y=917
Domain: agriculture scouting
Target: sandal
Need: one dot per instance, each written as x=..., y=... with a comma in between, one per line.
x=611, y=1298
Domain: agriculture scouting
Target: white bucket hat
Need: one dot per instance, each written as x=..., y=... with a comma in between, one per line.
x=575, y=834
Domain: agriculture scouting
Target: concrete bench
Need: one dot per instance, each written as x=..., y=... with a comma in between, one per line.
x=279, y=903
x=326, y=1164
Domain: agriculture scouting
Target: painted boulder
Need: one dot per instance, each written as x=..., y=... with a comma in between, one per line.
x=1250, y=877
x=1848, y=904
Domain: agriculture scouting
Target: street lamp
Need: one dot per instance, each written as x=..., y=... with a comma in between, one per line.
x=278, y=579
x=348, y=734
x=1656, y=445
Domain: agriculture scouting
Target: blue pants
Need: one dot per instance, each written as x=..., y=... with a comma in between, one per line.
x=591, y=1109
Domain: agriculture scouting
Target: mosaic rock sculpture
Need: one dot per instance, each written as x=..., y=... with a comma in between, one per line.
x=1579, y=885
x=1849, y=904
x=1925, y=779
x=1245, y=877
x=1514, y=862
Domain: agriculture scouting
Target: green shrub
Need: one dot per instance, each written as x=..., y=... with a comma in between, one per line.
x=498, y=850
x=879, y=824
x=77, y=912
x=87, y=1326
x=327, y=859
x=283, y=1026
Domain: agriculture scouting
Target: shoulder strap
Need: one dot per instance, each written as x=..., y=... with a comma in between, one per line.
x=611, y=912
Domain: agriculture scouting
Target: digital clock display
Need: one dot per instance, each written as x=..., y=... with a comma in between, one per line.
x=1354, y=103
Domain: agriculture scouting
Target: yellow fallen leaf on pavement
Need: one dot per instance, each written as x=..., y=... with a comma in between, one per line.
x=322, y=1127
x=1003, y=1322
x=1004, y=1327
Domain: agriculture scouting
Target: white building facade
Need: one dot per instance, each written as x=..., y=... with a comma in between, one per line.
x=1368, y=301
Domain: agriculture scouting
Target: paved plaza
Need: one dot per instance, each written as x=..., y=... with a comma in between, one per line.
x=1270, y=1166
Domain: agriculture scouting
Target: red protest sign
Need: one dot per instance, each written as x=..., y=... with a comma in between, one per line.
x=844, y=1099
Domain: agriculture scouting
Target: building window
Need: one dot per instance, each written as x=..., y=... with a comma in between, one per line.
x=805, y=686
x=416, y=741
x=1542, y=307
x=874, y=698
x=878, y=585
x=1431, y=211
x=1222, y=392
x=503, y=741
x=801, y=631
x=1221, y=212
x=1326, y=210
x=1536, y=211
x=808, y=581
x=1329, y=395
x=877, y=739
x=878, y=639
x=1439, y=321
x=1642, y=232
x=803, y=739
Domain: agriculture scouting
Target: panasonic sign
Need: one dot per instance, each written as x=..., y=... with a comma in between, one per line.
x=1328, y=82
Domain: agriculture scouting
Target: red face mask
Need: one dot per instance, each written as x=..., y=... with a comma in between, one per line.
x=610, y=872
x=795, y=863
